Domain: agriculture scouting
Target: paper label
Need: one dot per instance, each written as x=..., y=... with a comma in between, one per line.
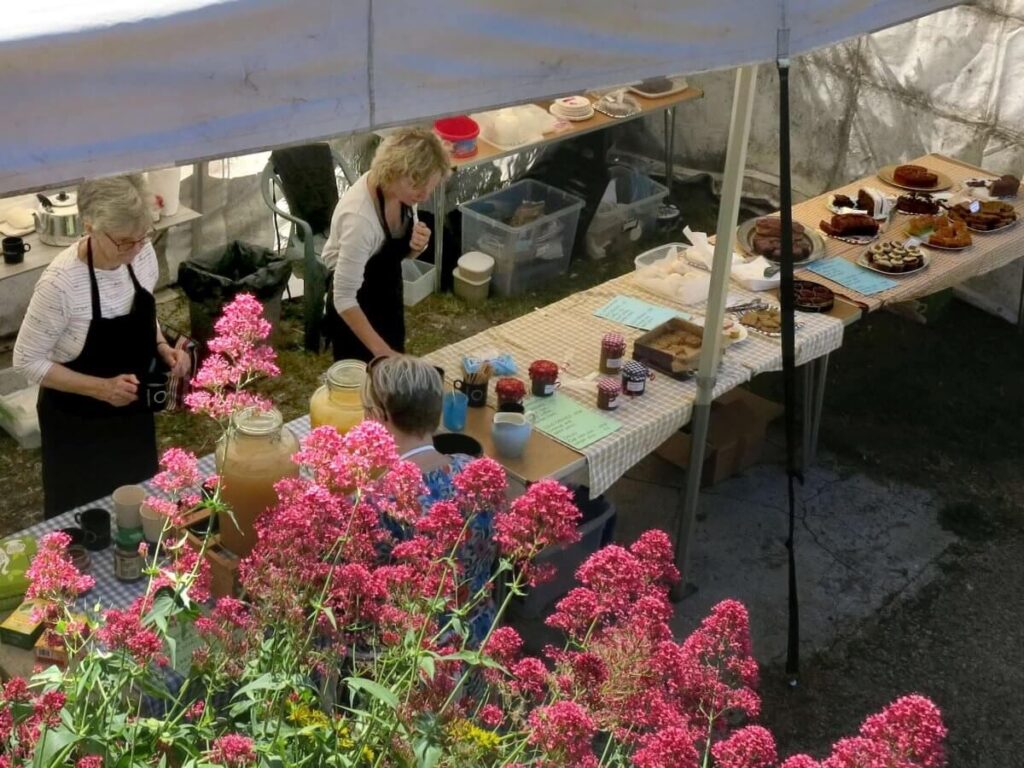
x=549, y=389
x=975, y=206
x=635, y=386
x=613, y=362
x=613, y=402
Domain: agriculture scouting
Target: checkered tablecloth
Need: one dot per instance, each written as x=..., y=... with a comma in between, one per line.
x=110, y=592
x=947, y=268
x=568, y=333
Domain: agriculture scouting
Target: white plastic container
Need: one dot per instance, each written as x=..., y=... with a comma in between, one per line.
x=633, y=214
x=18, y=409
x=476, y=265
x=166, y=184
x=529, y=255
x=655, y=255
x=471, y=291
x=417, y=281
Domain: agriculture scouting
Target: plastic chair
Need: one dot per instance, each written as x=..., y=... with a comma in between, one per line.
x=303, y=248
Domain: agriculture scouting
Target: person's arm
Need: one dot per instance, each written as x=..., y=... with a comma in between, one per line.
x=419, y=239
x=45, y=321
x=357, y=242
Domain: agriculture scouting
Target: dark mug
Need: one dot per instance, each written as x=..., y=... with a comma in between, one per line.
x=95, y=521
x=14, y=250
x=511, y=408
x=477, y=393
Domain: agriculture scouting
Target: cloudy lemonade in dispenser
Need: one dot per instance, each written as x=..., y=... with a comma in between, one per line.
x=337, y=402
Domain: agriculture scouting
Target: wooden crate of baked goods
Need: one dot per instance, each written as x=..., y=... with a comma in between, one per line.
x=672, y=348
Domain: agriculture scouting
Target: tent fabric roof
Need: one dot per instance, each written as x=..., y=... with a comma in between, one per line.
x=134, y=86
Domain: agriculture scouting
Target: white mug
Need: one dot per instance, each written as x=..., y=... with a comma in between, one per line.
x=127, y=500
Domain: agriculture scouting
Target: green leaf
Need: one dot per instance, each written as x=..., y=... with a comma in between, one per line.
x=426, y=663
x=53, y=745
x=375, y=689
x=264, y=682
x=427, y=755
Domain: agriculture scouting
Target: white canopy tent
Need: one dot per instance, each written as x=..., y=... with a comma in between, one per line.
x=101, y=88
x=194, y=79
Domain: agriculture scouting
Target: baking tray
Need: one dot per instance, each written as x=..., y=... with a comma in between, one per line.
x=676, y=367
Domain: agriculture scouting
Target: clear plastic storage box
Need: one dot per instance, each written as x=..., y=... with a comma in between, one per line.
x=526, y=255
x=617, y=225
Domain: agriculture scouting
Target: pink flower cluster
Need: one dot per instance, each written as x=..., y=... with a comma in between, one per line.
x=909, y=733
x=53, y=577
x=238, y=357
x=232, y=751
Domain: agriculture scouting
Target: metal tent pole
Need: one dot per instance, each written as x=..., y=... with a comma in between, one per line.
x=711, y=350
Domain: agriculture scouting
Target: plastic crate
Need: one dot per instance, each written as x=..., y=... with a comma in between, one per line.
x=616, y=226
x=417, y=281
x=595, y=533
x=529, y=255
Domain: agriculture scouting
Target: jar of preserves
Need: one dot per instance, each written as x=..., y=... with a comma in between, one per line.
x=543, y=377
x=613, y=349
x=337, y=402
x=255, y=454
x=634, y=378
x=509, y=391
x=608, y=392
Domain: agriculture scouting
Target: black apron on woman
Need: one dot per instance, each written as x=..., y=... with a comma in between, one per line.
x=380, y=296
x=91, y=447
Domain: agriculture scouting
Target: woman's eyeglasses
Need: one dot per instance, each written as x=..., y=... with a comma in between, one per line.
x=125, y=246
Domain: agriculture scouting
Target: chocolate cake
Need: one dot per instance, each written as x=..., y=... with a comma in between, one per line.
x=914, y=176
x=917, y=202
x=1005, y=186
x=850, y=225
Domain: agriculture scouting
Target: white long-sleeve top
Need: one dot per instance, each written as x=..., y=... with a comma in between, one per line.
x=356, y=234
x=60, y=312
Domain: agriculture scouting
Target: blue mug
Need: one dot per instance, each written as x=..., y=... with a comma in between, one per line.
x=510, y=432
x=453, y=411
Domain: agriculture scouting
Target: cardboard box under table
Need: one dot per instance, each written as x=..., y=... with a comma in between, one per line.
x=736, y=436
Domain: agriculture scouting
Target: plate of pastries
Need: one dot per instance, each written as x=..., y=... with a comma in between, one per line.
x=984, y=215
x=894, y=259
x=943, y=232
x=1005, y=187
x=914, y=177
x=763, y=237
x=809, y=296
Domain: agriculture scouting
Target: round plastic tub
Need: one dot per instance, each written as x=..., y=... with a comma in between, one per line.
x=460, y=132
x=476, y=265
x=472, y=291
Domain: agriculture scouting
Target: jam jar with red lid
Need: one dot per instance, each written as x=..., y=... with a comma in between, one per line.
x=608, y=394
x=613, y=350
x=543, y=377
x=509, y=391
x=634, y=378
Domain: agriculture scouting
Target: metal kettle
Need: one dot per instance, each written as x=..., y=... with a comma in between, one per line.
x=57, y=220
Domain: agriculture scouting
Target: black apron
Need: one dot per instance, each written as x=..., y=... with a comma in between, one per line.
x=380, y=296
x=89, y=446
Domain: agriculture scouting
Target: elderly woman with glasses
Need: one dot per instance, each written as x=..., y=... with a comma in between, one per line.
x=89, y=338
x=405, y=394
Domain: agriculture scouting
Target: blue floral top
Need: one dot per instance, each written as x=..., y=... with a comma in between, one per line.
x=477, y=554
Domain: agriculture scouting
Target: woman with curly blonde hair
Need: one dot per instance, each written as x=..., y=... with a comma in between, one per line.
x=372, y=231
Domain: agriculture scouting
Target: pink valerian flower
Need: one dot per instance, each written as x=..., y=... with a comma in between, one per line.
x=750, y=747
x=529, y=678
x=232, y=751
x=860, y=752
x=481, y=485
x=912, y=728
x=800, y=761
x=92, y=761
x=668, y=748
x=491, y=715
x=180, y=471
x=543, y=516
x=656, y=556
x=239, y=356
x=123, y=631
x=397, y=494
x=564, y=732
x=52, y=575
x=196, y=711
x=504, y=646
